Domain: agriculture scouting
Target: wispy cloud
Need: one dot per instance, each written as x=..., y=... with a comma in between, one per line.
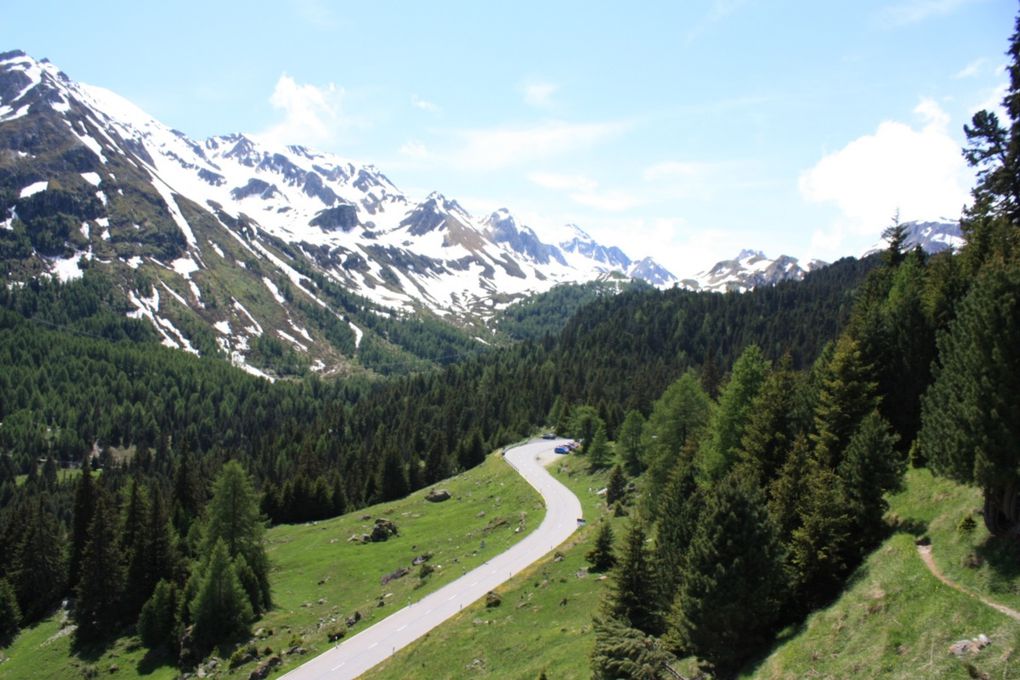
x=502, y=147
x=970, y=70
x=414, y=149
x=918, y=171
x=719, y=10
x=586, y=191
x=539, y=94
x=312, y=115
x=423, y=104
x=914, y=11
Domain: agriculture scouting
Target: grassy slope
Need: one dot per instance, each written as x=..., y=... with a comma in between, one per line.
x=895, y=619
x=544, y=622
x=319, y=578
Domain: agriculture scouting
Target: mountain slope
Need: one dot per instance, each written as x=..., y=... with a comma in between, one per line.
x=229, y=242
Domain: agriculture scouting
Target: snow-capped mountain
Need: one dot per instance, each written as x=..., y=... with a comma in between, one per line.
x=933, y=236
x=251, y=239
x=750, y=269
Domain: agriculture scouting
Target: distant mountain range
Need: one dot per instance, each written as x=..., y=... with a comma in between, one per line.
x=250, y=241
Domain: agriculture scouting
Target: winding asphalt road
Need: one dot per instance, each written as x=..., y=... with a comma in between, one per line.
x=374, y=644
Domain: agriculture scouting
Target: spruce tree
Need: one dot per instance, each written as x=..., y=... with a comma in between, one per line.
x=158, y=617
x=871, y=468
x=629, y=442
x=601, y=557
x=135, y=539
x=220, y=610
x=233, y=518
x=635, y=598
x=616, y=488
x=599, y=455
x=719, y=449
x=10, y=613
x=678, y=516
x=100, y=591
x=847, y=394
x=775, y=418
x=84, y=509
x=971, y=415
x=624, y=652
x=38, y=571
x=733, y=582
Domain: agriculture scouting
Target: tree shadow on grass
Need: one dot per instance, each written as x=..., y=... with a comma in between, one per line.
x=155, y=659
x=907, y=525
x=1002, y=555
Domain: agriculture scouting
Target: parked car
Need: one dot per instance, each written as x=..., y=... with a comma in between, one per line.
x=561, y=449
x=549, y=435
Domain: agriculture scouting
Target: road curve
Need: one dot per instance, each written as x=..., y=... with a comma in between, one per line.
x=374, y=644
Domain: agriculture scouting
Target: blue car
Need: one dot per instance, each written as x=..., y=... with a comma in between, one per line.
x=561, y=449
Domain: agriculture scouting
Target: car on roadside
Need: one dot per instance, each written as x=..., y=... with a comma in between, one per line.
x=561, y=449
x=549, y=435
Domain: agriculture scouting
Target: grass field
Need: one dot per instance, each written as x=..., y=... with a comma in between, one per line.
x=895, y=620
x=320, y=578
x=544, y=622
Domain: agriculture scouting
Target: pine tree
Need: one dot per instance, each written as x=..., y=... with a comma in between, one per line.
x=634, y=599
x=733, y=581
x=38, y=571
x=84, y=509
x=135, y=539
x=678, y=515
x=629, y=442
x=158, y=617
x=601, y=557
x=846, y=395
x=100, y=591
x=871, y=468
x=719, y=449
x=599, y=455
x=616, y=489
x=233, y=518
x=971, y=414
x=774, y=420
x=623, y=652
x=10, y=614
x=221, y=609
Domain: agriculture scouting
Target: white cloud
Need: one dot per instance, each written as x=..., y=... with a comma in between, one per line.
x=970, y=70
x=586, y=191
x=539, y=94
x=423, y=104
x=915, y=11
x=311, y=115
x=919, y=172
x=503, y=147
x=552, y=180
x=673, y=169
x=414, y=149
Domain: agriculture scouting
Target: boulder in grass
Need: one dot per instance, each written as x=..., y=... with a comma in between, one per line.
x=437, y=496
x=492, y=599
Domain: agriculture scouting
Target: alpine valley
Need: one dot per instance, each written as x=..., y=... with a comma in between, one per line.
x=282, y=259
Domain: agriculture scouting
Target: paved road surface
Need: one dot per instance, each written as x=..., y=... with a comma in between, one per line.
x=374, y=644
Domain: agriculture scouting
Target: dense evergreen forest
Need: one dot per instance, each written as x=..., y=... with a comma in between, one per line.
x=761, y=502
x=763, y=429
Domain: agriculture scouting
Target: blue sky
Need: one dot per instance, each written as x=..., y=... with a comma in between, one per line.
x=681, y=130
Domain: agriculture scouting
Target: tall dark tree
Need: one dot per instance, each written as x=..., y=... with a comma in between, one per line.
x=616, y=488
x=38, y=570
x=601, y=557
x=599, y=455
x=971, y=417
x=628, y=442
x=634, y=599
x=221, y=610
x=233, y=518
x=776, y=416
x=625, y=653
x=84, y=509
x=731, y=589
x=10, y=613
x=100, y=591
x=871, y=467
x=678, y=516
x=846, y=395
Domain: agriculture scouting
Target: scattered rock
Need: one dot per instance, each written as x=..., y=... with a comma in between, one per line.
x=114, y=668
x=353, y=619
x=563, y=602
x=354, y=539
x=492, y=599
x=322, y=600
x=437, y=496
x=481, y=514
x=365, y=518
x=296, y=650
x=263, y=670
x=495, y=524
x=558, y=557
x=394, y=575
x=382, y=530
x=337, y=634
x=421, y=559
x=964, y=647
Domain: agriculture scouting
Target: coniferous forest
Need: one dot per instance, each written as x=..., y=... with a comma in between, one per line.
x=762, y=429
